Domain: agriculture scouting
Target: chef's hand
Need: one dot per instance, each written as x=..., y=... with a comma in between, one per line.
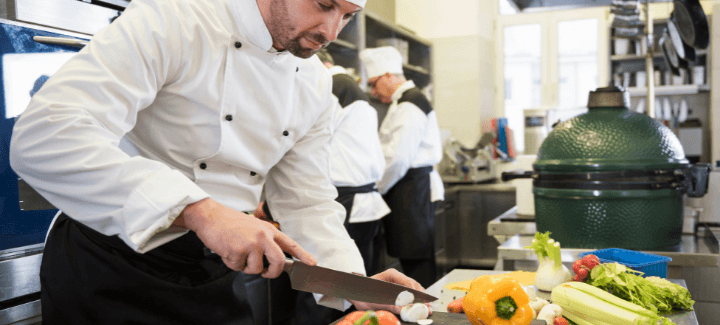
x=390, y=275
x=239, y=239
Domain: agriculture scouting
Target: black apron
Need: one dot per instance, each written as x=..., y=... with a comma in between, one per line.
x=410, y=226
x=89, y=278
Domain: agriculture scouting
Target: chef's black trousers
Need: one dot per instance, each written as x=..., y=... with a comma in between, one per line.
x=410, y=226
x=89, y=278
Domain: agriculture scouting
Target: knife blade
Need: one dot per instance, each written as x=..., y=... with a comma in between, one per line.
x=347, y=286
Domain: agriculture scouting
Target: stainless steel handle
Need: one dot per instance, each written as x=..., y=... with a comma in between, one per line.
x=60, y=41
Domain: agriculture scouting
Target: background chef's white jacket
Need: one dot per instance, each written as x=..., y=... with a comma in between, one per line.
x=410, y=139
x=181, y=100
x=356, y=158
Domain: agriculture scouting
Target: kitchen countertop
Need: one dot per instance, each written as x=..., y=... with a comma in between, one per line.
x=699, y=250
x=446, y=296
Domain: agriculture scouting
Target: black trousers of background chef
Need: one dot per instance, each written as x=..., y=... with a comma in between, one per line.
x=89, y=278
x=307, y=311
x=410, y=226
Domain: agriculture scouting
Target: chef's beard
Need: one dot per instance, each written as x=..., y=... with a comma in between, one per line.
x=282, y=31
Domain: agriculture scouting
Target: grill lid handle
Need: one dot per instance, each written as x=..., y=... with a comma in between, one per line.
x=696, y=179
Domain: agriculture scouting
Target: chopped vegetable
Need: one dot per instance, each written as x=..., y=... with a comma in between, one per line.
x=380, y=317
x=497, y=300
x=531, y=292
x=413, y=313
x=654, y=293
x=560, y=321
x=549, y=313
x=456, y=306
x=404, y=298
x=586, y=304
x=551, y=272
x=537, y=305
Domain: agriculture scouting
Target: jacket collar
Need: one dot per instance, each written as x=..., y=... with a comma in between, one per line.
x=250, y=23
x=403, y=88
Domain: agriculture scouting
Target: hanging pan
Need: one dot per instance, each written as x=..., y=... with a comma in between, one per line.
x=671, y=58
x=692, y=23
x=683, y=50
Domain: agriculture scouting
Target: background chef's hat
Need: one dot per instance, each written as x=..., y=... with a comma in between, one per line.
x=380, y=60
x=360, y=3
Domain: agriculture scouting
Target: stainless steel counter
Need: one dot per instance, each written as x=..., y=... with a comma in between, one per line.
x=695, y=250
x=446, y=296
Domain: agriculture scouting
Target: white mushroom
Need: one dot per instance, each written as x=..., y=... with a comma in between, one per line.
x=413, y=313
x=404, y=298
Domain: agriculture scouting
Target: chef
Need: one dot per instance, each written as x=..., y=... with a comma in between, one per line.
x=410, y=140
x=155, y=138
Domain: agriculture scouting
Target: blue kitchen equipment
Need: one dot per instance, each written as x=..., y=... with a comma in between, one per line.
x=649, y=264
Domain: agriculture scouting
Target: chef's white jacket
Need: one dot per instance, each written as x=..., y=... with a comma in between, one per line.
x=410, y=139
x=356, y=158
x=177, y=101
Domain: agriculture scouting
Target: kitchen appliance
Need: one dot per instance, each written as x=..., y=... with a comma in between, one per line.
x=540, y=121
x=466, y=165
x=613, y=178
x=347, y=286
x=24, y=62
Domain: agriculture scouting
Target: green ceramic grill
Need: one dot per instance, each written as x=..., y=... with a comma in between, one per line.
x=613, y=178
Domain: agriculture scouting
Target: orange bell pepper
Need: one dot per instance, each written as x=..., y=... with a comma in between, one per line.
x=496, y=300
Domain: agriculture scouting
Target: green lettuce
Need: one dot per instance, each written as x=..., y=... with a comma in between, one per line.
x=654, y=293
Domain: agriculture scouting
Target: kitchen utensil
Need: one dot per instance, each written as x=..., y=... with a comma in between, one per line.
x=698, y=75
x=626, y=80
x=641, y=79
x=658, y=109
x=60, y=41
x=667, y=109
x=683, y=115
x=347, y=286
x=671, y=59
x=692, y=23
x=683, y=50
x=641, y=106
x=621, y=46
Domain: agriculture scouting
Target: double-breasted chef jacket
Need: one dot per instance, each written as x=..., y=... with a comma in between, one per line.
x=356, y=156
x=180, y=101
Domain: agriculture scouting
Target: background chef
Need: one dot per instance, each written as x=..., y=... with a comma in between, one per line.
x=172, y=119
x=411, y=145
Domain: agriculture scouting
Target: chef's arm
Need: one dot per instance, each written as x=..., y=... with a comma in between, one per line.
x=66, y=143
x=302, y=200
x=400, y=142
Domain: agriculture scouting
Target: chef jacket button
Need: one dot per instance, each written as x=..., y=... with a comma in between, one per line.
x=228, y=117
x=286, y=133
x=203, y=165
x=253, y=173
x=238, y=45
x=297, y=69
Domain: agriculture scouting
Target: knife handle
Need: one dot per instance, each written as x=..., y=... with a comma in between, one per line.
x=288, y=264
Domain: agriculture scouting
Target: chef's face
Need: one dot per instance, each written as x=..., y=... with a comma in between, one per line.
x=304, y=26
x=384, y=86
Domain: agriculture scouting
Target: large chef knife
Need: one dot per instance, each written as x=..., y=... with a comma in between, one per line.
x=347, y=286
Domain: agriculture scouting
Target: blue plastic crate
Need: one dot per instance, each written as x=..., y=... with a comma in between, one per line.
x=649, y=264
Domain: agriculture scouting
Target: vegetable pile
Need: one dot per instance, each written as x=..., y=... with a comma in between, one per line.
x=586, y=305
x=551, y=272
x=654, y=293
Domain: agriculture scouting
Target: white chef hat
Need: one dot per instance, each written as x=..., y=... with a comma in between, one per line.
x=360, y=3
x=380, y=60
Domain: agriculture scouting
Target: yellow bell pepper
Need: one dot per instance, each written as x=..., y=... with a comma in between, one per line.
x=497, y=300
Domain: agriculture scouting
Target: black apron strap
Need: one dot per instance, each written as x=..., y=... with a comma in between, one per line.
x=89, y=278
x=345, y=190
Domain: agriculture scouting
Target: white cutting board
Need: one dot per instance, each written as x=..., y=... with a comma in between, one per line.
x=21, y=70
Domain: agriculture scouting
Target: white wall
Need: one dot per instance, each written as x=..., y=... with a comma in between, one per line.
x=463, y=59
